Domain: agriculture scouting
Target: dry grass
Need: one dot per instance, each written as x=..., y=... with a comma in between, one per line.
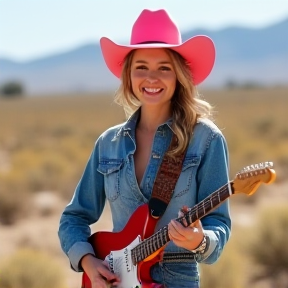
x=255, y=124
x=45, y=143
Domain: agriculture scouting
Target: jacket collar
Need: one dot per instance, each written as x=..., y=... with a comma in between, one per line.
x=130, y=125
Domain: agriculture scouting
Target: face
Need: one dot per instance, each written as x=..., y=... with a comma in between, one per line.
x=153, y=77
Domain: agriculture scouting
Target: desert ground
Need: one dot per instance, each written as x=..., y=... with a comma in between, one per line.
x=45, y=142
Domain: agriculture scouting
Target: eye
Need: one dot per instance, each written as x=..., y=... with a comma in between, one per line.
x=165, y=68
x=141, y=67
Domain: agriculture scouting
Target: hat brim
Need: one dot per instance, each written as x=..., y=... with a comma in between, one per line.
x=198, y=51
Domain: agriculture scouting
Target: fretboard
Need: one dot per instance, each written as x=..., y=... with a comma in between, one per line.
x=160, y=238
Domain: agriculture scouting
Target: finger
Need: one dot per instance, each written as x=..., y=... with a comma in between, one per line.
x=183, y=210
x=181, y=233
x=170, y=236
x=103, y=281
x=196, y=224
x=176, y=230
x=115, y=279
x=173, y=226
x=99, y=283
x=177, y=226
x=106, y=264
x=111, y=277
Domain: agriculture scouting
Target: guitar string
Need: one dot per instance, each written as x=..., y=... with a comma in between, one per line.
x=144, y=249
x=140, y=252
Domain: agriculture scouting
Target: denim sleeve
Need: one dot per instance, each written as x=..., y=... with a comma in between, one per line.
x=84, y=209
x=213, y=174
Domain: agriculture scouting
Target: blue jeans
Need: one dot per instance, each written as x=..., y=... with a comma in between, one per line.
x=167, y=274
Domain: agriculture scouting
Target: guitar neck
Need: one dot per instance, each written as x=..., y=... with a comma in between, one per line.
x=161, y=238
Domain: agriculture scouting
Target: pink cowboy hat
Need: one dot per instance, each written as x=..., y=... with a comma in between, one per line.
x=155, y=29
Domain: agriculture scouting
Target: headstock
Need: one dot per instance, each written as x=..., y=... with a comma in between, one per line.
x=250, y=178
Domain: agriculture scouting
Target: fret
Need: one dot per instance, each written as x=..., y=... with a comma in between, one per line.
x=154, y=243
x=142, y=251
x=139, y=252
x=158, y=240
x=161, y=237
x=203, y=204
x=151, y=246
x=206, y=205
x=214, y=201
x=219, y=198
x=246, y=181
x=188, y=219
x=162, y=233
x=148, y=250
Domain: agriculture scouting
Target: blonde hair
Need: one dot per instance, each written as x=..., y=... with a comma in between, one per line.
x=187, y=107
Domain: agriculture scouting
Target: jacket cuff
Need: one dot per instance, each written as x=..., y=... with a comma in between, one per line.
x=76, y=253
x=213, y=241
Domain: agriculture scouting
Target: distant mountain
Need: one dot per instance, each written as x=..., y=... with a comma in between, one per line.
x=243, y=56
x=249, y=55
x=79, y=70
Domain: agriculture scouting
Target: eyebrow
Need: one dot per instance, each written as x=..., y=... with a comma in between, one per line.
x=161, y=62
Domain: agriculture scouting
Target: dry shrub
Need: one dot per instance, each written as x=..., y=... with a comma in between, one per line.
x=267, y=246
x=30, y=269
x=13, y=205
x=227, y=272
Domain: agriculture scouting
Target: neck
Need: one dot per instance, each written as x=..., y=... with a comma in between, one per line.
x=151, y=119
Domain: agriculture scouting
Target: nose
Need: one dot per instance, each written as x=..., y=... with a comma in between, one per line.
x=152, y=77
x=152, y=80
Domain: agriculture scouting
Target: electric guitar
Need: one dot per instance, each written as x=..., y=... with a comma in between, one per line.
x=132, y=251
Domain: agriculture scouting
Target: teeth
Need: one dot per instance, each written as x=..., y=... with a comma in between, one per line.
x=152, y=90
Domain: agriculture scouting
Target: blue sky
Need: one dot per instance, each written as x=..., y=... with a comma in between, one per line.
x=31, y=29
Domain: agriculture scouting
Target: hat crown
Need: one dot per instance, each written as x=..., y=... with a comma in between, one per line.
x=153, y=27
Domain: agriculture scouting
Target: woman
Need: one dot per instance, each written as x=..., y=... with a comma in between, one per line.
x=158, y=75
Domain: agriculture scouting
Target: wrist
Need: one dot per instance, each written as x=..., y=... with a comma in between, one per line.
x=86, y=259
x=201, y=248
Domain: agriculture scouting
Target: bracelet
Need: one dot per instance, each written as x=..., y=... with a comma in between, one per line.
x=202, y=246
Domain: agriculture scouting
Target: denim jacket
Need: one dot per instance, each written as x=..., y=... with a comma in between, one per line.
x=110, y=175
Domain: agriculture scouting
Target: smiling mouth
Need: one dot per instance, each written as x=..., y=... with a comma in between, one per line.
x=152, y=90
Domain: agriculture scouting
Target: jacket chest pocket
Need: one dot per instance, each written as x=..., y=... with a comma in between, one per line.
x=111, y=169
x=191, y=162
x=187, y=176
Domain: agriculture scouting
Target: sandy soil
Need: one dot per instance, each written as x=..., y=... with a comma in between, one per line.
x=39, y=230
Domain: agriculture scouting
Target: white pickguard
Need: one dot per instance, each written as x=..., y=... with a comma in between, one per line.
x=120, y=263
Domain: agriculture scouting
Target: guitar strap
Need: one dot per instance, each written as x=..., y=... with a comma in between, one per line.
x=165, y=181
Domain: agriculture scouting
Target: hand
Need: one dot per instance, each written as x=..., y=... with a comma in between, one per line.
x=186, y=237
x=98, y=272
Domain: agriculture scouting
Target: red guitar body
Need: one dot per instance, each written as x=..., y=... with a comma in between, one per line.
x=141, y=223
